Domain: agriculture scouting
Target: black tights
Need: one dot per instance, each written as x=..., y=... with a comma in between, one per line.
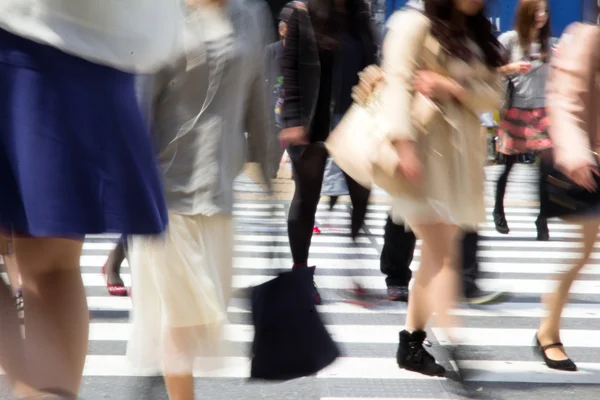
x=511, y=160
x=308, y=163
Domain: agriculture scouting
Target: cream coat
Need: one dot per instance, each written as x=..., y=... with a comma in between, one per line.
x=454, y=152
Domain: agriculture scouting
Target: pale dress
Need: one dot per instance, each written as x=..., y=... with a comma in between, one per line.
x=453, y=156
x=181, y=282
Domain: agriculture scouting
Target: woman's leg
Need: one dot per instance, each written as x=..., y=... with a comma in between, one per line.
x=499, y=216
x=549, y=331
x=435, y=289
x=309, y=165
x=541, y=222
x=113, y=264
x=436, y=281
x=57, y=320
x=359, y=196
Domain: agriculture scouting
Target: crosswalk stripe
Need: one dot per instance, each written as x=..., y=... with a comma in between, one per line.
x=535, y=286
x=515, y=263
x=521, y=310
x=362, y=368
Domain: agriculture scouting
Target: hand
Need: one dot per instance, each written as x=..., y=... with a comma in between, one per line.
x=285, y=158
x=432, y=85
x=369, y=78
x=584, y=177
x=409, y=164
x=520, y=67
x=294, y=136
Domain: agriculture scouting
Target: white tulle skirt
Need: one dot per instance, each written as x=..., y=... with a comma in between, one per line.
x=181, y=286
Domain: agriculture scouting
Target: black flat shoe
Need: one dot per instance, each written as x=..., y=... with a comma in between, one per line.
x=500, y=223
x=561, y=365
x=543, y=234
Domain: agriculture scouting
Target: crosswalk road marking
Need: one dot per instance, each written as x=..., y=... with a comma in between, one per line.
x=497, y=338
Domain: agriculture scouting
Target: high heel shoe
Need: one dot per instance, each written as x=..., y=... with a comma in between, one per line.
x=117, y=290
x=561, y=365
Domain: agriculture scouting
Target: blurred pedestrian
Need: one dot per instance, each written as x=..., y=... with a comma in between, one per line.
x=202, y=104
x=75, y=159
x=524, y=125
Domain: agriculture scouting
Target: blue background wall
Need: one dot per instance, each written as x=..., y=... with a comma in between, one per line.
x=502, y=12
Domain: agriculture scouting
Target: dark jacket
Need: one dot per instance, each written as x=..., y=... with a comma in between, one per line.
x=301, y=67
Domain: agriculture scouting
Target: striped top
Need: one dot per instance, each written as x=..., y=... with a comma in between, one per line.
x=131, y=35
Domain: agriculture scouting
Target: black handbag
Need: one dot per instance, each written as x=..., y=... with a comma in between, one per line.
x=563, y=197
x=290, y=339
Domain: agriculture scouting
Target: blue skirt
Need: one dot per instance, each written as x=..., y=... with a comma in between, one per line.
x=75, y=153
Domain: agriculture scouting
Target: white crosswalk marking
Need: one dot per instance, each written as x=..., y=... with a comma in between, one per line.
x=498, y=338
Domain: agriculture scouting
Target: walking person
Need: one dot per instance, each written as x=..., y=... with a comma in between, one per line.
x=75, y=159
x=451, y=186
x=524, y=126
x=201, y=108
x=328, y=42
x=573, y=101
x=274, y=82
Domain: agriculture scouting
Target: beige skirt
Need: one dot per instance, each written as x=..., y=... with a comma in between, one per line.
x=181, y=286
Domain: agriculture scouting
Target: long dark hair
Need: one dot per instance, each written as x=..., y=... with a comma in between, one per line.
x=525, y=23
x=478, y=29
x=327, y=21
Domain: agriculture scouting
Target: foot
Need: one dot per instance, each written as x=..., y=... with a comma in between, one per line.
x=316, y=230
x=500, y=223
x=114, y=283
x=543, y=234
x=316, y=295
x=360, y=296
x=553, y=353
x=397, y=293
x=475, y=296
x=412, y=356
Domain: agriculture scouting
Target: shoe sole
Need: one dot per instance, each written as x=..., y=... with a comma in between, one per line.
x=491, y=298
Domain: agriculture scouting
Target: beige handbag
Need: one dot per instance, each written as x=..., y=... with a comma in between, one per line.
x=360, y=144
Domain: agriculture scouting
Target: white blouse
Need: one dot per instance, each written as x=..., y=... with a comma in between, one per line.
x=131, y=35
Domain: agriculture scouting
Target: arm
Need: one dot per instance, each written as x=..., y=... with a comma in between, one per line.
x=401, y=48
x=569, y=97
x=480, y=93
x=508, y=40
x=149, y=89
x=257, y=105
x=292, y=105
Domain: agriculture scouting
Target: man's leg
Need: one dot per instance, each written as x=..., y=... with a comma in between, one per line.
x=470, y=273
x=396, y=256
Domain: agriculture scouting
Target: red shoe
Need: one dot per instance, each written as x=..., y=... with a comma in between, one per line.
x=114, y=290
x=316, y=230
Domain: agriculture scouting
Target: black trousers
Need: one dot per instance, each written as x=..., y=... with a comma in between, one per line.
x=308, y=163
x=398, y=249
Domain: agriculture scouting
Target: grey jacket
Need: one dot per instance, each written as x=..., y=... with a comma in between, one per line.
x=529, y=89
x=202, y=106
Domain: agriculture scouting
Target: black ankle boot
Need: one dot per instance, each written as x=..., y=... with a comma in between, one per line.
x=543, y=234
x=412, y=356
x=500, y=222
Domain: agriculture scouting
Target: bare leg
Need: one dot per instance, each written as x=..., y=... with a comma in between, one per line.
x=180, y=387
x=436, y=282
x=57, y=320
x=113, y=264
x=549, y=331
